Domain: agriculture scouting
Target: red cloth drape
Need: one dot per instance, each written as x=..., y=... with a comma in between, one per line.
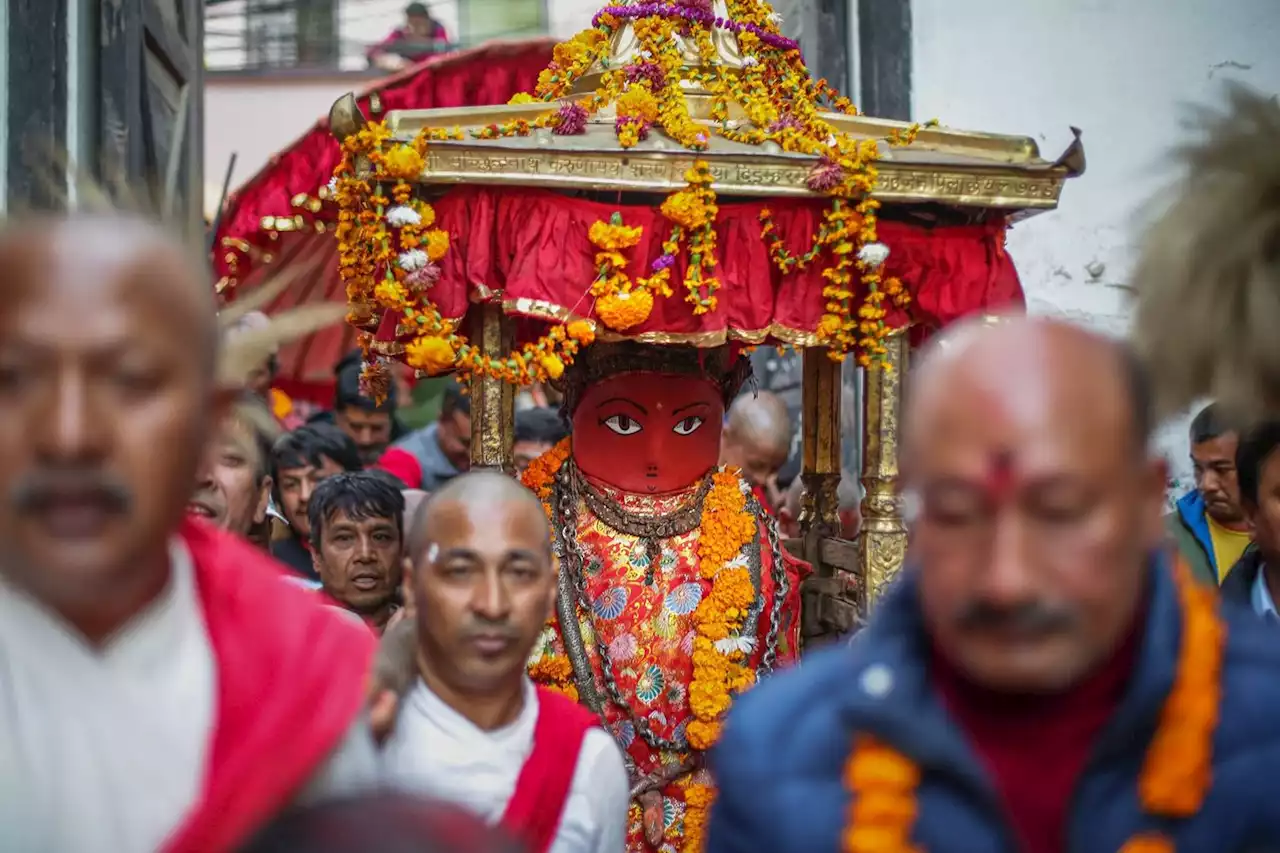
x=532, y=247
x=489, y=74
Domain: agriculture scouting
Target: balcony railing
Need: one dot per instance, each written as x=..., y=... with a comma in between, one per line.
x=328, y=35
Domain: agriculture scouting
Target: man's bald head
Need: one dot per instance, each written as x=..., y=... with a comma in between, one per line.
x=1020, y=353
x=481, y=581
x=1026, y=443
x=477, y=490
x=95, y=248
x=108, y=336
x=757, y=436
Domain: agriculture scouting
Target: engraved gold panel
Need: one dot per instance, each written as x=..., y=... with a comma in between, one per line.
x=758, y=176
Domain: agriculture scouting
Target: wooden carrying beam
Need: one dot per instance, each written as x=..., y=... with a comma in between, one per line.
x=828, y=609
x=492, y=400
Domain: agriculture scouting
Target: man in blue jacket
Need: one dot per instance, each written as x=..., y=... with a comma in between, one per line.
x=1208, y=525
x=1041, y=680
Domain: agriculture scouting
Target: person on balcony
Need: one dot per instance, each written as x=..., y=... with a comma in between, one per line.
x=421, y=35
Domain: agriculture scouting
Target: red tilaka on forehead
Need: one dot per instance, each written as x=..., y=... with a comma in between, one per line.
x=1001, y=479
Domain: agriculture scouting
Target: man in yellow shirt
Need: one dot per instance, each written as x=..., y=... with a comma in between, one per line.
x=1208, y=526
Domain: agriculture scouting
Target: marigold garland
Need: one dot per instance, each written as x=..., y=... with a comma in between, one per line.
x=389, y=256
x=720, y=658
x=783, y=103
x=1176, y=772
x=620, y=303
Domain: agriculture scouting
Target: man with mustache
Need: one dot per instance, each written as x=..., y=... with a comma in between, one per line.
x=357, y=529
x=480, y=582
x=160, y=688
x=233, y=483
x=1042, y=678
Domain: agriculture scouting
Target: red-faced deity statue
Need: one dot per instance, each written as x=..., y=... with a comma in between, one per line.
x=648, y=433
x=647, y=420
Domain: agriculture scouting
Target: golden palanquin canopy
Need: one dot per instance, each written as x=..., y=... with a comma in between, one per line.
x=678, y=177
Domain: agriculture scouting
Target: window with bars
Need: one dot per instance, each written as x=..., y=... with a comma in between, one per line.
x=272, y=34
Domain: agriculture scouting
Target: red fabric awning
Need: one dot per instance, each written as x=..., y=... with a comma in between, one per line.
x=276, y=221
x=530, y=248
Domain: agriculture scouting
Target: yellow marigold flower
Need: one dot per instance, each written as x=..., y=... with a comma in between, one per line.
x=638, y=102
x=614, y=237
x=553, y=366
x=390, y=294
x=685, y=209
x=430, y=353
x=437, y=244
x=403, y=161
x=829, y=325
x=522, y=98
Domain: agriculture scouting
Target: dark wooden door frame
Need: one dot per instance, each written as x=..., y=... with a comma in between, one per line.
x=131, y=32
x=37, y=99
x=884, y=58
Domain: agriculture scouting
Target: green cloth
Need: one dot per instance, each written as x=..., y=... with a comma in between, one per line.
x=424, y=403
x=1190, y=548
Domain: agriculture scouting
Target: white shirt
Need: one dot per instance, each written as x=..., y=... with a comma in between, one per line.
x=102, y=750
x=440, y=753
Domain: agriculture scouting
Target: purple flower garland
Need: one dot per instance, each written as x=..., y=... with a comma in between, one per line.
x=695, y=15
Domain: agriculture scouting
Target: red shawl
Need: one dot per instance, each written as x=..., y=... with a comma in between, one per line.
x=291, y=683
x=542, y=789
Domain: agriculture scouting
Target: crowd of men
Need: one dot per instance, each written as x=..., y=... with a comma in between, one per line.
x=328, y=498
x=1062, y=668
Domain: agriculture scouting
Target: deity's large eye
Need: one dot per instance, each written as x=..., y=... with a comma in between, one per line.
x=622, y=424
x=689, y=425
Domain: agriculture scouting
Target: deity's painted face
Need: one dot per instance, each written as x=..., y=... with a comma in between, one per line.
x=648, y=433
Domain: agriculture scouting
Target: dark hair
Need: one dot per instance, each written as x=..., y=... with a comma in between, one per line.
x=454, y=399
x=309, y=445
x=417, y=10
x=541, y=425
x=388, y=823
x=1256, y=446
x=1210, y=423
x=358, y=495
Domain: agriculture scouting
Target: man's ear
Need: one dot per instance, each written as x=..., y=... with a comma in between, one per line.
x=555, y=587
x=264, y=500
x=317, y=562
x=406, y=589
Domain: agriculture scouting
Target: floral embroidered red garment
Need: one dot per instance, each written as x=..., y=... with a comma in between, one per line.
x=644, y=616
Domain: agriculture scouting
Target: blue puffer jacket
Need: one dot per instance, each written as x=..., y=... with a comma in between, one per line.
x=780, y=761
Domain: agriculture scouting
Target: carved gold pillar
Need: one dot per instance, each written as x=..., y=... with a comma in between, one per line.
x=492, y=401
x=883, y=543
